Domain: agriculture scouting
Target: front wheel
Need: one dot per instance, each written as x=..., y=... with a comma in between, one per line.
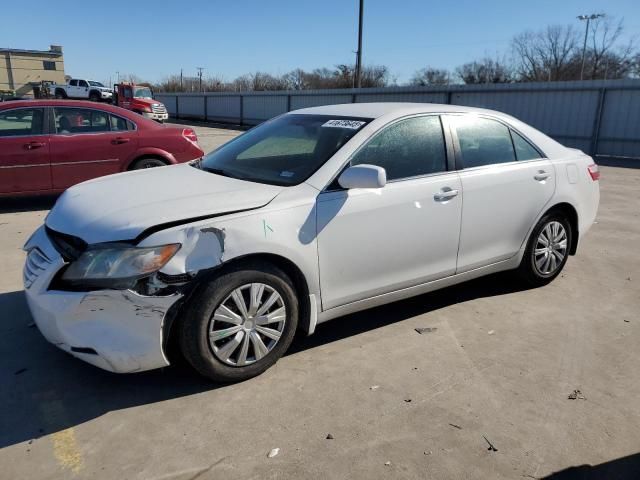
x=547, y=250
x=94, y=97
x=240, y=323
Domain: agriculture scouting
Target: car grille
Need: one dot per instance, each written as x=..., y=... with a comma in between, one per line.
x=159, y=109
x=37, y=262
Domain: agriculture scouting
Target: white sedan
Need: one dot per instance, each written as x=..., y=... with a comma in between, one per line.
x=310, y=216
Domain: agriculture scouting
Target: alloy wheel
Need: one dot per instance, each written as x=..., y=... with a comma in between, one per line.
x=247, y=324
x=551, y=248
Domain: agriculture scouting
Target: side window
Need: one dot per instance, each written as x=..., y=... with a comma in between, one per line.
x=20, y=122
x=81, y=120
x=82, y=83
x=128, y=93
x=524, y=150
x=119, y=124
x=73, y=83
x=407, y=148
x=483, y=141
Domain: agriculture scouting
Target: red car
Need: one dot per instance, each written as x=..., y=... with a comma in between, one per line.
x=49, y=145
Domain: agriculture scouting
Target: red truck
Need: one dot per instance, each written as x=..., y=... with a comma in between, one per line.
x=139, y=99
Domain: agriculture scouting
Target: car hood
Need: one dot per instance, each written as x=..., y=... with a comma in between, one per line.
x=120, y=207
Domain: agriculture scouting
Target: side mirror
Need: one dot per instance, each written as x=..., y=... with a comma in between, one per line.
x=363, y=176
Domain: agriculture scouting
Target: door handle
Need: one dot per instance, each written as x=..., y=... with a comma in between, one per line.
x=445, y=194
x=119, y=140
x=33, y=145
x=541, y=175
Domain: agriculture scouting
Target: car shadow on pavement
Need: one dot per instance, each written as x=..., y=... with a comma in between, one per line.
x=27, y=204
x=45, y=390
x=624, y=468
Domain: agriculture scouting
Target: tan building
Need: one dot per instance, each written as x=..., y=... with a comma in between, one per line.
x=21, y=70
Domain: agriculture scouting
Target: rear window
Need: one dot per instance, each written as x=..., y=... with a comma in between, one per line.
x=21, y=122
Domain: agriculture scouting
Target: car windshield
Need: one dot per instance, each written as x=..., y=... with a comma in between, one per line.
x=283, y=151
x=143, y=92
x=95, y=84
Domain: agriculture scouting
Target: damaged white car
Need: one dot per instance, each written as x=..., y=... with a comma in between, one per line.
x=305, y=218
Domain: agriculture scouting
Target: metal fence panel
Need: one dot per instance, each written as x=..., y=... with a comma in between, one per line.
x=597, y=116
x=419, y=97
x=192, y=107
x=225, y=109
x=257, y=109
x=306, y=101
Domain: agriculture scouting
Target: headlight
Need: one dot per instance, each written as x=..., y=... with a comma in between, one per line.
x=117, y=265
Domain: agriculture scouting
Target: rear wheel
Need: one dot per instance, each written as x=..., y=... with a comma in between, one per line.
x=147, y=163
x=240, y=323
x=547, y=250
x=60, y=94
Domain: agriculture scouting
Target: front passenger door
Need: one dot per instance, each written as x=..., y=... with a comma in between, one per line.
x=374, y=241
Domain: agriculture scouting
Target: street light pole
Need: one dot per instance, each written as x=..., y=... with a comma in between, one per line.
x=359, y=52
x=588, y=18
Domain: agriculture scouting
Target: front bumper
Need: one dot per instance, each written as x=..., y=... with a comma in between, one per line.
x=117, y=330
x=155, y=116
x=106, y=95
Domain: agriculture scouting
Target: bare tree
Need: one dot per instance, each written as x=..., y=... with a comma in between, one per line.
x=486, y=70
x=605, y=57
x=546, y=55
x=430, y=76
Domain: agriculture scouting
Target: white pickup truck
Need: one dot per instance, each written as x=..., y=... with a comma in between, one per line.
x=82, y=89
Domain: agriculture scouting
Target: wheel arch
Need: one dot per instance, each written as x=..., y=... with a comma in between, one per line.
x=292, y=270
x=571, y=214
x=151, y=153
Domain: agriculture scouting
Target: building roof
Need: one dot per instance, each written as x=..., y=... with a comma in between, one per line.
x=49, y=53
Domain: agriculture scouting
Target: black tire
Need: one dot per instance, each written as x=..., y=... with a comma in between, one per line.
x=148, y=162
x=60, y=94
x=195, y=324
x=528, y=270
x=94, y=96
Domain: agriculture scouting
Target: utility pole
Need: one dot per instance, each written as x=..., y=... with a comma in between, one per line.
x=181, y=85
x=118, y=75
x=359, y=52
x=588, y=18
x=200, y=77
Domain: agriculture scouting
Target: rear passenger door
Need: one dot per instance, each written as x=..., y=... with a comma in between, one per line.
x=506, y=182
x=87, y=143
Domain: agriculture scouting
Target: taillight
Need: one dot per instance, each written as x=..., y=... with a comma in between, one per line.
x=594, y=171
x=190, y=135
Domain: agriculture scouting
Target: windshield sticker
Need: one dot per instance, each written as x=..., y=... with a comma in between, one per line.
x=352, y=124
x=286, y=174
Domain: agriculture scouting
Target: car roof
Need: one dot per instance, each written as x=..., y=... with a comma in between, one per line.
x=376, y=110
x=134, y=117
x=66, y=103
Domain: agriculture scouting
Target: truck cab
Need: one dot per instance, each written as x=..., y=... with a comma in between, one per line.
x=139, y=99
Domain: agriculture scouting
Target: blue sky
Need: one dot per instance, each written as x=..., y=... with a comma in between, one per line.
x=153, y=39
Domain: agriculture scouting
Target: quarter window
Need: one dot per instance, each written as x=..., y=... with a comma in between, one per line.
x=20, y=122
x=407, y=148
x=81, y=120
x=483, y=141
x=524, y=150
x=119, y=124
